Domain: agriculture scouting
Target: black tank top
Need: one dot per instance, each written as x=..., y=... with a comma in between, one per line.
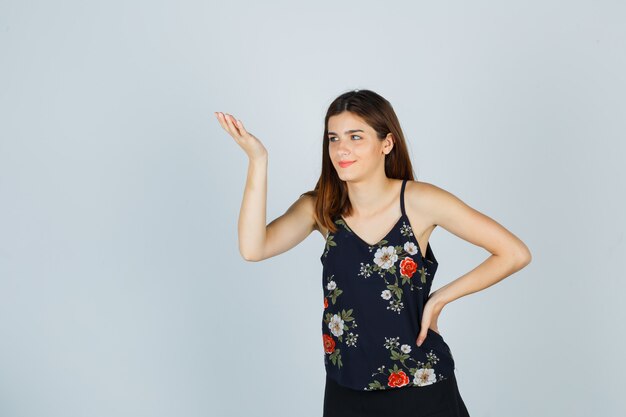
x=374, y=297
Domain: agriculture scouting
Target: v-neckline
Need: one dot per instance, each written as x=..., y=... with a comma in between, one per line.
x=379, y=240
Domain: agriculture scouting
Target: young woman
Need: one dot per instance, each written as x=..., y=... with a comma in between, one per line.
x=383, y=352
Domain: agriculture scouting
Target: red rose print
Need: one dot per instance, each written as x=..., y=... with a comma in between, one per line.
x=329, y=343
x=408, y=267
x=325, y=302
x=398, y=379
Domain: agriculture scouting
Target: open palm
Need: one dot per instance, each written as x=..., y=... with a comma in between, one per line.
x=251, y=145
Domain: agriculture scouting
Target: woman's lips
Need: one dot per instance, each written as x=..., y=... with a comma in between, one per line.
x=346, y=164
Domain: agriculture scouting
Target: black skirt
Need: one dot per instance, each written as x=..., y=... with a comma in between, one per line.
x=441, y=399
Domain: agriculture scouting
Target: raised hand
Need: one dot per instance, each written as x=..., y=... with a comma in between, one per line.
x=251, y=145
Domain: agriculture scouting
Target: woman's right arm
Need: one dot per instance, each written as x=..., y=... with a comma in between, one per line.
x=256, y=240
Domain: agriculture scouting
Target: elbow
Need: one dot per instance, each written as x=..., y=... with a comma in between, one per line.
x=249, y=257
x=523, y=257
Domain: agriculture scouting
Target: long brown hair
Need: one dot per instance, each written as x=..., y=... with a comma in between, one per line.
x=330, y=192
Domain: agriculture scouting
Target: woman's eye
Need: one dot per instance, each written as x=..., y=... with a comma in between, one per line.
x=334, y=137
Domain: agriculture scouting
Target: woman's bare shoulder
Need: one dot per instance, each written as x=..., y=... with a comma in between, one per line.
x=424, y=197
x=434, y=203
x=421, y=189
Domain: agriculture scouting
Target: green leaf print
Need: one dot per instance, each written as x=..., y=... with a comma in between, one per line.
x=397, y=356
x=376, y=385
x=423, y=275
x=344, y=224
x=336, y=293
x=396, y=289
x=335, y=357
x=329, y=242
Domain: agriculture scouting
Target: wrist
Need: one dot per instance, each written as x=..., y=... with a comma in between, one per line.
x=259, y=159
x=439, y=298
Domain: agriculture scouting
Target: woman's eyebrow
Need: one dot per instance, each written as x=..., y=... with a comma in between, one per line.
x=348, y=131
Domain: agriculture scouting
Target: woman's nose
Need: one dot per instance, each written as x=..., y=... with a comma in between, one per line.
x=343, y=148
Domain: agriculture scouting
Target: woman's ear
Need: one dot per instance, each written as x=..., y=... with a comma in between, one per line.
x=388, y=144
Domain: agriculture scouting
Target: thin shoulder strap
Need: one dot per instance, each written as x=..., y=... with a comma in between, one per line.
x=402, y=197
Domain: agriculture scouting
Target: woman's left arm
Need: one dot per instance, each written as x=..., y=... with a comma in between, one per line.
x=508, y=253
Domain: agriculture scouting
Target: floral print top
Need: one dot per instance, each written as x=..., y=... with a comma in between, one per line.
x=374, y=296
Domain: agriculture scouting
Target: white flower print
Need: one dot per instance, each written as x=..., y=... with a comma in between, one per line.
x=410, y=248
x=331, y=285
x=351, y=339
x=395, y=305
x=424, y=376
x=391, y=342
x=406, y=229
x=432, y=358
x=336, y=325
x=385, y=257
x=386, y=294
x=405, y=348
x=366, y=270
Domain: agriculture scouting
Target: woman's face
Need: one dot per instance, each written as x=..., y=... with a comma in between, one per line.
x=354, y=142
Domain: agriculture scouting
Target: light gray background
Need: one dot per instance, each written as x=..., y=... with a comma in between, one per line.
x=122, y=292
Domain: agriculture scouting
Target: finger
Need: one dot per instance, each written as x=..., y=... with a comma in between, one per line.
x=231, y=125
x=222, y=120
x=423, y=333
x=421, y=336
x=241, y=128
